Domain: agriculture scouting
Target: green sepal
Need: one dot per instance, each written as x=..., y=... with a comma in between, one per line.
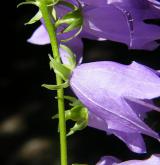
x=48, y=2
x=60, y=69
x=75, y=35
x=73, y=101
x=56, y=87
x=78, y=113
x=38, y=2
x=51, y=2
x=54, y=14
x=29, y=2
x=67, y=4
x=55, y=116
x=36, y=18
x=71, y=58
x=79, y=125
x=73, y=19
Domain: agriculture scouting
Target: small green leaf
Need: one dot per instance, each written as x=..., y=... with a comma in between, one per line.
x=80, y=125
x=72, y=26
x=74, y=19
x=75, y=35
x=27, y=3
x=55, y=87
x=48, y=2
x=36, y=18
x=67, y=4
x=60, y=69
x=54, y=14
x=55, y=116
x=78, y=113
x=73, y=100
x=52, y=2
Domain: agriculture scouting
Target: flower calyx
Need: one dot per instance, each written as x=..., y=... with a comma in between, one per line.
x=73, y=20
x=60, y=69
x=78, y=113
x=37, y=3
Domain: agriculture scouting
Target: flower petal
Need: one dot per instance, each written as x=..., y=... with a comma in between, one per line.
x=40, y=36
x=95, y=3
x=134, y=80
x=114, y=24
x=109, y=160
x=133, y=140
x=103, y=87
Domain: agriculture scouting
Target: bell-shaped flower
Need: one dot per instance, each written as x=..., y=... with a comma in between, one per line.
x=124, y=21
x=110, y=160
x=118, y=97
x=116, y=20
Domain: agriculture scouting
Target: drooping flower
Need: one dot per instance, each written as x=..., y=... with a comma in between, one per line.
x=110, y=160
x=117, y=97
x=123, y=21
x=116, y=20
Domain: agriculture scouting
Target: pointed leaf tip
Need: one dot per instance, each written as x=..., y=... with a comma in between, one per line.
x=60, y=69
x=55, y=116
x=27, y=3
x=36, y=18
x=55, y=87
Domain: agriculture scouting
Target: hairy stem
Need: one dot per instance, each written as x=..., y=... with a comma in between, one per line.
x=60, y=92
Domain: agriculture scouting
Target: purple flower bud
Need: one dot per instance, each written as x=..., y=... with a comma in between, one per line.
x=109, y=160
x=117, y=97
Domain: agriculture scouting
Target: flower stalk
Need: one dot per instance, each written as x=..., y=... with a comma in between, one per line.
x=60, y=92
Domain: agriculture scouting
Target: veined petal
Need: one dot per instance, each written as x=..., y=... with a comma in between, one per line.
x=112, y=109
x=96, y=122
x=114, y=26
x=104, y=88
x=133, y=140
x=134, y=80
x=135, y=4
x=108, y=160
x=156, y=3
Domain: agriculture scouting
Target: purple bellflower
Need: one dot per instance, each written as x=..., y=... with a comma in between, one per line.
x=109, y=160
x=123, y=21
x=118, y=97
x=116, y=20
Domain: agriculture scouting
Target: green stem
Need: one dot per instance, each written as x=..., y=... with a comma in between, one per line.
x=60, y=92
